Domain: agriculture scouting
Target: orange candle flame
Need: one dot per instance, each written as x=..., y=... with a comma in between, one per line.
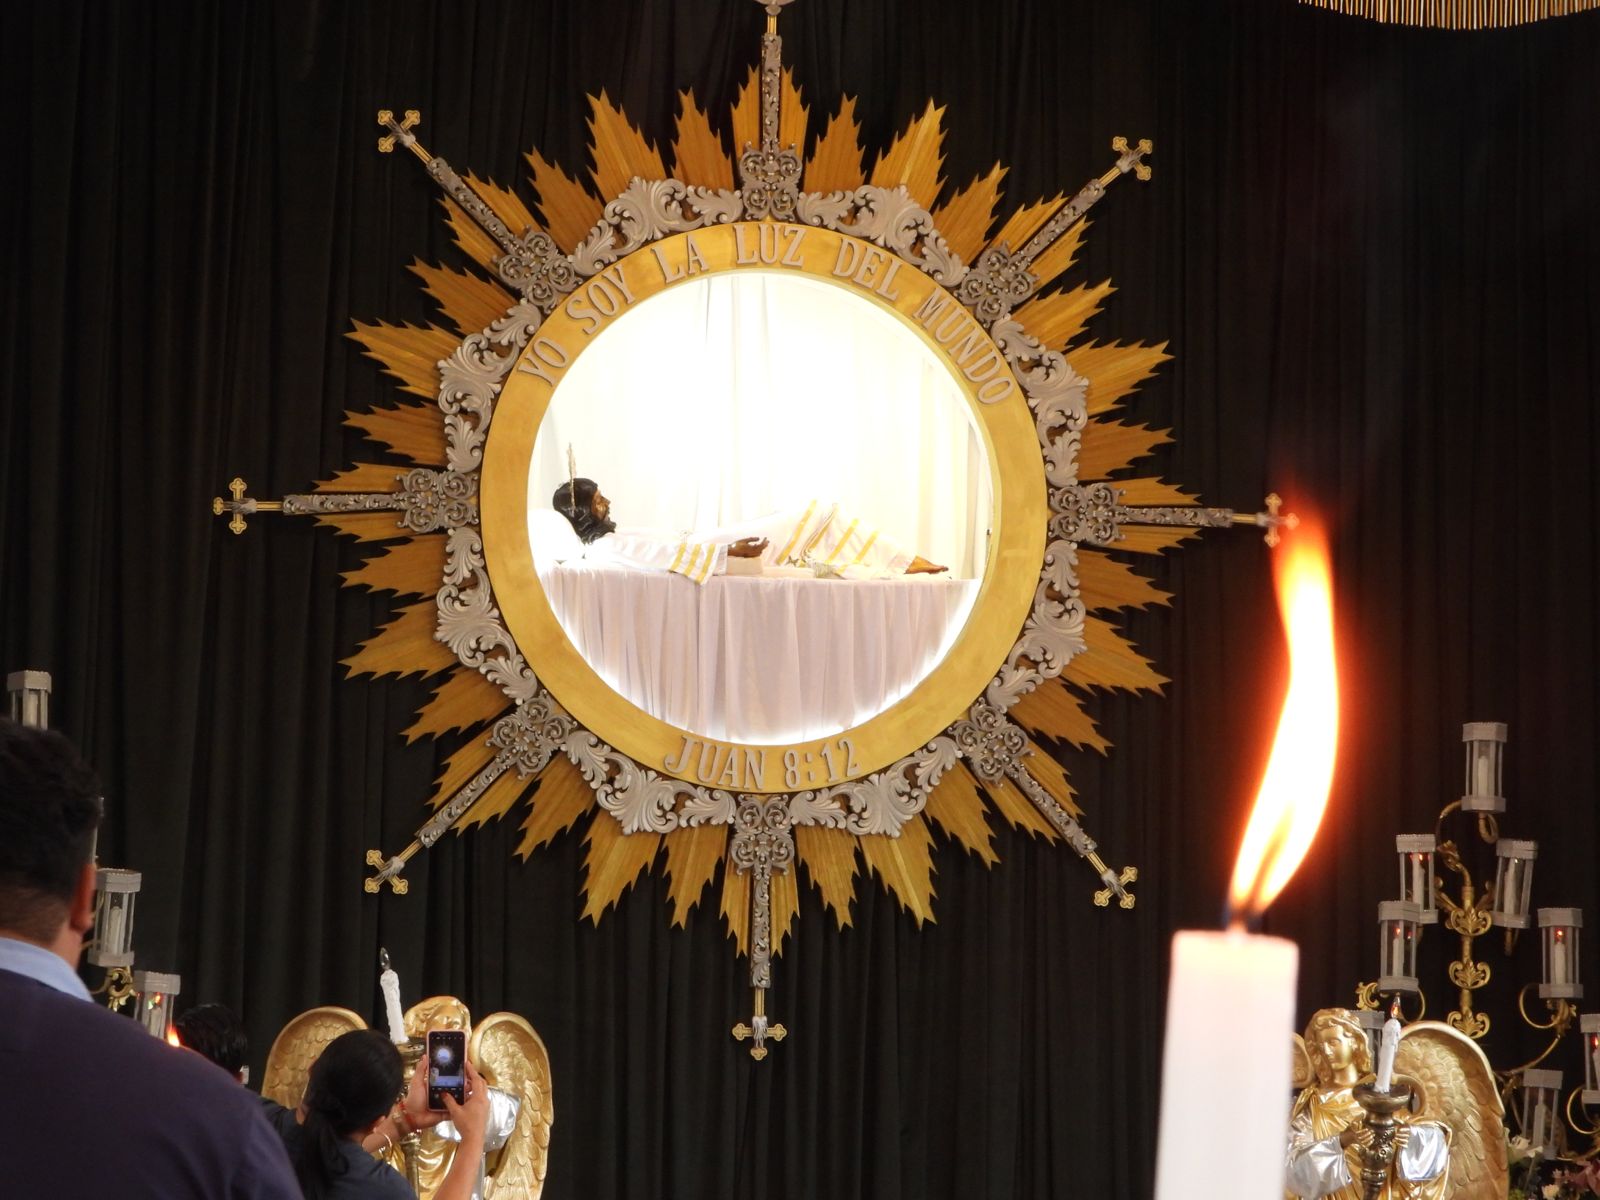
x=173, y=1039
x=1294, y=788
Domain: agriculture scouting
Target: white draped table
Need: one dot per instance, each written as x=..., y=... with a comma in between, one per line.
x=757, y=659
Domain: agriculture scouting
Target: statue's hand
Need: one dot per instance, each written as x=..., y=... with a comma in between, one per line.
x=1355, y=1134
x=1402, y=1135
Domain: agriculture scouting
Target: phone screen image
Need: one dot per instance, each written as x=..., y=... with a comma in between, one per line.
x=447, y=1072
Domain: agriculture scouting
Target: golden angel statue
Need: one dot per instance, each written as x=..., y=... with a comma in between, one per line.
x=1450, y=1144
x=505, y=1050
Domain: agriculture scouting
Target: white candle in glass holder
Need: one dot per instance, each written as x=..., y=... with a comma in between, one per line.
x=1558, y=955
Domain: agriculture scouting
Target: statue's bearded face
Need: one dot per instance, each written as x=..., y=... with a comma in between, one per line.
x=599, y=507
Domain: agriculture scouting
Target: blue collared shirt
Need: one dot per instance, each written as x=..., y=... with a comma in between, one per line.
x=45, y=966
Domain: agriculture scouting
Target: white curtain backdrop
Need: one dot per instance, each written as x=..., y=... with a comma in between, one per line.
x=725, y=399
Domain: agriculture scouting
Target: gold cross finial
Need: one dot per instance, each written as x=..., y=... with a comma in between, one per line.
x=241, y=506
x=401, y=131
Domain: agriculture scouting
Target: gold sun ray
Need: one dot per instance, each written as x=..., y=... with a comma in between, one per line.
x=467, y=299
x=563, y=795
x=693, y=855
x=464, y=700
x=1058, y=317
x=697, y=151
x=620, y=151
x=915, y=158
x=410, y=430
x=1114, y=370
x=1109, y=583
x=405, y=646
x=965, y=218
x=835, y=164
x=829, y=856
x=956, y=808
x=469, y=235
x=568, y=209
x=904, y=864
x=410, y=353
x=614, y=862
x=1109, y=446
x=410, y=568
x=1053, y=708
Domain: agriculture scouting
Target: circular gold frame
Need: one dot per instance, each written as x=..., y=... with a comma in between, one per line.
x=1020, y=507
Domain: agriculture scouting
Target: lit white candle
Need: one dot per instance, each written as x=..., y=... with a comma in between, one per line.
x=1419, y=878
x=1226, y=1067
x=390, y=983
x=112, y=939
x=1483, y=772
x=1558, y=956
x=1226, y=1070
x=1511, y=902
x=1390, y=1043
x=1594, y=1061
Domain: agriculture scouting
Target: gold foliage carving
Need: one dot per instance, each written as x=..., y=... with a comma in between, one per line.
x=835, y=164
x=569, y=211
x=412, y=568
x=697, y=152
x=905, y=865
x=620, y=151
x=915, y=158
x=405, y=646
x=1058, y=317
x=412, y=431
x=563, y=795
x=464, y=700
x=957, y=808
x=410, y=353
x=829, y=856
x=965, y=218
x=693, y=853
x=614, y=862
x=1109, y=446
x=1108, y=583
x=1114, y=370
x=1110, y=661
x=1054, y=708
x=469, y=301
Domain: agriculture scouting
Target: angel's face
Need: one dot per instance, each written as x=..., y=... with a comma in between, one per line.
x=1336, y=1047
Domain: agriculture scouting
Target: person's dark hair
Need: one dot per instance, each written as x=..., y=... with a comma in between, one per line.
x=49, y=811
x=572, y=501
x=213, y=1031
x=352, y=1084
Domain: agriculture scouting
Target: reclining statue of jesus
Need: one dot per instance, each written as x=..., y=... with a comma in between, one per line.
x=822, y=536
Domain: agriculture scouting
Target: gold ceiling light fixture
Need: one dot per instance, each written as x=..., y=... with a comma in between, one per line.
x=543, y=729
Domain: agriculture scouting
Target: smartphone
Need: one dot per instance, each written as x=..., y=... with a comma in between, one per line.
x=447, y=1066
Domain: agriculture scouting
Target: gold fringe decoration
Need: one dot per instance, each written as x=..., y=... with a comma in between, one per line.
x=697, y=152
x=1109, y=583
x=1056, y=709
x=614, y=861
x=569, y=211
x=915, y=158
x=621, y=153
x=693, y=852
x=470, y=302
x=835, y=163
x=1057, y=318
x=405, y=646
x=367, y=526
x=1110, y=661
x=1109, y=446
x=413, y=568
x=414, y=431
x=956, y=808
x=562, y=797
x=905, y=865
x=464, y=700
x=1457, y=14
x=410, y=353
x=1114, y=370
x=965, y=218
x=829, y=856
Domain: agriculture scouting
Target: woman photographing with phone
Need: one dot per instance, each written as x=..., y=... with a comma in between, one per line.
x=346, y=1114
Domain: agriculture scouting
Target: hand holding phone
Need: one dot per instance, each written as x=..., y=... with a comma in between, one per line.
x=447, y=1069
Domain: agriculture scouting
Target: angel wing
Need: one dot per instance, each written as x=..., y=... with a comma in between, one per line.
x=298, y=1045
x=513, y=1058
x=1458, y=1090
x=1302, y=1073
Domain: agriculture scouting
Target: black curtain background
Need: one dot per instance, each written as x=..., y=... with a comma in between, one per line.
x=1372, y=251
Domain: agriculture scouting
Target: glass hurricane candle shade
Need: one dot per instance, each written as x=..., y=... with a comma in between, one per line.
x=1558, y=931
x=115, y=892
x=1397, y=949
x=157, y=993
x=1539, y=1092
x=1486, y=743
x=1416, y=873
x=1513, y=882
x=1589, y=1030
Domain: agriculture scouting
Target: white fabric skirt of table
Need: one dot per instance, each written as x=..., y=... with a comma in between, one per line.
x=757, y=659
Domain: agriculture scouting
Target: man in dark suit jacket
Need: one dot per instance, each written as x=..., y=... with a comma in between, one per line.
x=93, y=1104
